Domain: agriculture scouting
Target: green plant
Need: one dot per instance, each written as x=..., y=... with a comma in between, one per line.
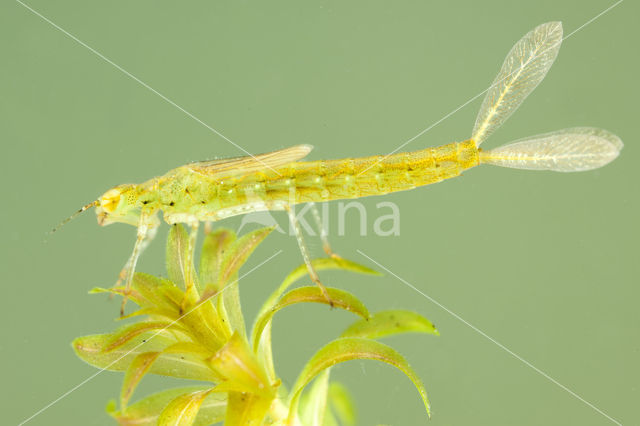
x=209, y=343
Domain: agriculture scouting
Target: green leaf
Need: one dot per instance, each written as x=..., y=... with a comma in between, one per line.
x=330, y=419
x=91, y=349
x=183, y=410
x=206, y=325
x=177, y=254
x=188, y=348
x=229, y=308
x=349, y=348
x=238, y=252
x=247, y=409
x=158, y=293
x=234, y=257
x=314, y=406
x=136, y=370
x=321, y=264
x=340, y=298
x=129, y=332
x=387, y=323
x=146, y=411
x=329, y=263
x=133, y=295
x=265, y=354
x=201, y=321
x=240, y=369
x=153, y=313
x=213, y=248
x=342, y=404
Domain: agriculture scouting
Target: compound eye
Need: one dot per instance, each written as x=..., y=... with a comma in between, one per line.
x=109, y=201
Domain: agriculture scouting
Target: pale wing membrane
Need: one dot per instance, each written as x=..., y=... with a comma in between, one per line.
x=523, y=69
x=262, y=162
x=569, y=150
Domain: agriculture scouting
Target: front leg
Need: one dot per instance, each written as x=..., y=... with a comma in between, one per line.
x=147, y=226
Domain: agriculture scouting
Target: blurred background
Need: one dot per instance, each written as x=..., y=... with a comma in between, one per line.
x=544, y=263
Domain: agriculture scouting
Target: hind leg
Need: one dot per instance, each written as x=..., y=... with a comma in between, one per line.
x=323, y=232
x=305, y=254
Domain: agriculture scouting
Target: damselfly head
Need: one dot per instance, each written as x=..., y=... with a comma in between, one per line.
x=117, y=205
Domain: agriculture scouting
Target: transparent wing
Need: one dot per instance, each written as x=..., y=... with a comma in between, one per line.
x=524, y=67
x=239, y=165
x=569, y=150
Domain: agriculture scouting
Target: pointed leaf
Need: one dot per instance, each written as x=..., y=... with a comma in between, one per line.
x=314, y=406
x=120, y=291
x=215, y=244
x=240, y=369
x=387, y=323
x=340, y=298
x=181, y=365
x=229, y=307
x=158, y=292
x=345, y=349
x=183, y=410
x=154, y=314
x=321, y=264
x=137, y=369
x=265, y=353
x=129, y=332
x=164, y=298
x=146, y=411
x=188, y=348
x=238, y=252
x=205, y=325
x=234, y=257
x=247, y=409
x=330, y=419
x=342, y=404
x=208, y=292
x=328, y=263
x=177, y=254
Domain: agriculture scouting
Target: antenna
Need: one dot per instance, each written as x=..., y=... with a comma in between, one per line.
x=73, y=216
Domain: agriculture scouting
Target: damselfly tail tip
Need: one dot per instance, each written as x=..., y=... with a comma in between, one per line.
x=569, y=150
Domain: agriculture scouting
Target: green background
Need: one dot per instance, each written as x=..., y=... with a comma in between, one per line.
x=545, y=263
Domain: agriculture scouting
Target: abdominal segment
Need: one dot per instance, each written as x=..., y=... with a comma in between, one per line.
x=315, y=181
